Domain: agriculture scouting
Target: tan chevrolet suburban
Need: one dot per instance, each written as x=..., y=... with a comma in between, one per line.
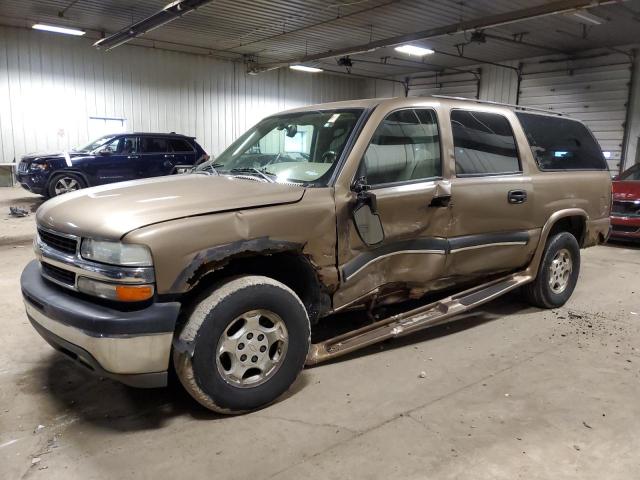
x=223, y=272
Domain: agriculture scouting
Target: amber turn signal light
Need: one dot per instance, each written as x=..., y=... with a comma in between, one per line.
x=134, y=293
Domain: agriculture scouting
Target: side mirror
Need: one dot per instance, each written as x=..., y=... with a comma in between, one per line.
x=365, y=214
x=364, y=195
x=104, y=152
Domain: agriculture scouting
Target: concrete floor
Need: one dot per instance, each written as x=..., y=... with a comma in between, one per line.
x=510, y=392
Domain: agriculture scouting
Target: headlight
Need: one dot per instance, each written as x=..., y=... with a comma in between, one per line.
x=116, y=253
x=112, y=291
x=38, y=167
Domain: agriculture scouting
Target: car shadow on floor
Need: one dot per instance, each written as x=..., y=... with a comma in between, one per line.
x=623, y=243
x=109, y=405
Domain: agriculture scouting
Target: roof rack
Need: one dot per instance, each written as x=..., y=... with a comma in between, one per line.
x=515, y=107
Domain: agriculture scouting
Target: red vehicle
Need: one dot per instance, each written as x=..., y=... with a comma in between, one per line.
x=625, y=213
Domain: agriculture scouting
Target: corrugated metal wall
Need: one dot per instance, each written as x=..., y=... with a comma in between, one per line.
x=595, y=90
x=499, y=84
x=454, y=85
x=50, y=85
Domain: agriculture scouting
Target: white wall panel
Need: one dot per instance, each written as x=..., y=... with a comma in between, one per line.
x=50, y=85
x=453, y=85
x=499, y=84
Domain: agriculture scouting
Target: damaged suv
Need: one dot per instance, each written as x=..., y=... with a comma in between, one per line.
x=223, y=273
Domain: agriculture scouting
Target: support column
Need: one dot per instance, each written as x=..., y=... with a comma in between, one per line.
x=631, y=147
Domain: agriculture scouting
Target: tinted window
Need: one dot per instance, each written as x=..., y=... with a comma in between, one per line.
x=121, y=146
x=405, y=147
x=561, y=144
x=179, y=145
x=483, y=143
x=154, y=145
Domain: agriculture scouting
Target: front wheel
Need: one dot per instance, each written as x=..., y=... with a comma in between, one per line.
x=243, y=345
x=558, y=273
x=65, y=183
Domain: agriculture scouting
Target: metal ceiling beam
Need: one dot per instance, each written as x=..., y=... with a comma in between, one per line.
x=558, y=6
x=171, y=12
x=443, y=67
x=525, y=43
x=314, y=25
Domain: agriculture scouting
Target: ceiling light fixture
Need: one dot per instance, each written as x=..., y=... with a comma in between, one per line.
x=589, y=17
x=304, y=68
x=414, y=50
x=53, y=28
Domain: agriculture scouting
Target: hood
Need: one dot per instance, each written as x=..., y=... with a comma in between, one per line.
x=111, y=211
x=44, y=155
x=626, y=189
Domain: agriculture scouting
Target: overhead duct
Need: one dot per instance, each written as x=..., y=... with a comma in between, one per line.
x=169, y=13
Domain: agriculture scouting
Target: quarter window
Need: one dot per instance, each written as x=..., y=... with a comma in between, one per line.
x=561, y=144
x=483, y=143
x=405, y=147
x=179, y=145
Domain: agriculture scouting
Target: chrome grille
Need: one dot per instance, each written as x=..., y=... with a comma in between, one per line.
x=631, y=208
x=58, y=274
x=58, y=242
x=23, y=167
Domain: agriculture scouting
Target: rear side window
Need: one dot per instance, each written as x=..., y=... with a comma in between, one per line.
x=561, y=144
x=483, y=143
x=154, y=145
x=180, y=145
x=405, y=147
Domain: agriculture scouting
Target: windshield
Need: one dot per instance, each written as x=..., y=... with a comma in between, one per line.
x=631, y=174
x=95, y=144
x=299, y=147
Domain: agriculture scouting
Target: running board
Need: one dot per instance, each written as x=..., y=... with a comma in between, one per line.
x=414, y=320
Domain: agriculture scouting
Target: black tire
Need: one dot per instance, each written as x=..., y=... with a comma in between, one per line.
x=540, y=292
x=196, y=358
x=72, y=178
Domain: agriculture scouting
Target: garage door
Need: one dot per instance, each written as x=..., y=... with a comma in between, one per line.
x=456, y=85
x=597, y=95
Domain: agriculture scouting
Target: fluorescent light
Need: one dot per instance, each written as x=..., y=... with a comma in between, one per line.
x=413, y=50
x=589, y=17
x=53, y=28
x=304, y=68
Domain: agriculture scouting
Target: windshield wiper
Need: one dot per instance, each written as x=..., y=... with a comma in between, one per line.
x=212, y=167
x=262, y=173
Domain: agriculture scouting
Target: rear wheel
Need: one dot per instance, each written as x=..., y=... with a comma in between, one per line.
x=243, y=345
x=65, y=183
x=558, y=273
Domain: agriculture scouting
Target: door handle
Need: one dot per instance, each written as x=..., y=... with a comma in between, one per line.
x=169, y=156
x=517, y=196
x=133, y=156
x=440, y=201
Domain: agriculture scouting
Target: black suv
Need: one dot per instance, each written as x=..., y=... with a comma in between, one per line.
x=109, y=159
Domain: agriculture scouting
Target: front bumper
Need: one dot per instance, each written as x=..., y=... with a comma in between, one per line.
x=33, y=182
x=625, y=227
x=132, y=347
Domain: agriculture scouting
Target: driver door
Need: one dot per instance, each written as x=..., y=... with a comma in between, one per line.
x=395, y=239
x=115, y=162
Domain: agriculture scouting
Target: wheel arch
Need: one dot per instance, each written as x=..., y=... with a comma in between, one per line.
x=572, y=220
x=63, y=171
x=286, y=265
